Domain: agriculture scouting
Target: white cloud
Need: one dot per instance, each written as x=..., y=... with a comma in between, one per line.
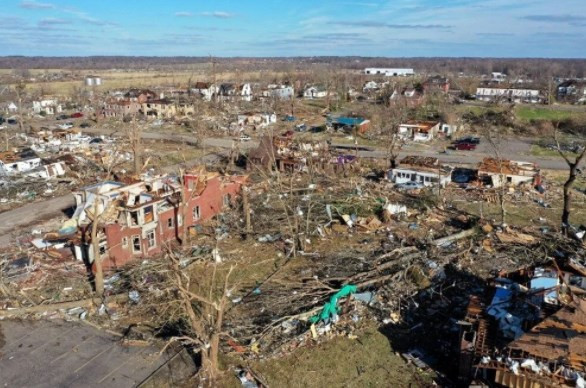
x=218, y=14
x=35, y=5
x=52, y=22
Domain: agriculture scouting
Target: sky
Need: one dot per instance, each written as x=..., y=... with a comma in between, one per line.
x=253, y=28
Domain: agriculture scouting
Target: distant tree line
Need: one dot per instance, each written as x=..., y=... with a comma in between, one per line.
x=535, y=68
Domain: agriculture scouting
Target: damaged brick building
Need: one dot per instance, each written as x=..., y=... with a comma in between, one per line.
x=136, y=220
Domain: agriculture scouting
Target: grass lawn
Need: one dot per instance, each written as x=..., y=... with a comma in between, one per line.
x=368, y=361
x=476, y=109
x=538, y=150
x=527, y=213
x=528, y=113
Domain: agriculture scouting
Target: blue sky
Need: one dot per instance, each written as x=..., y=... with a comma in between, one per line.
x=398, y=28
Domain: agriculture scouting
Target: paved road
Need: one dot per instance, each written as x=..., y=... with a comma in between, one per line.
x=55, y=353
x=31, y=214
x=36, y=212
x=177, y=138
x=514, y=149
x=472, y=158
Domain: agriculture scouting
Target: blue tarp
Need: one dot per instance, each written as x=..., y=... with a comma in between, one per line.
x=346, y=121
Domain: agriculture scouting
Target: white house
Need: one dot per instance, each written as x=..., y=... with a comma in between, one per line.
x=509, y=95
x=12, y=163
x=283, y=92
x=513, y=172
x=447, y=130
x=498, y=76
x=318, y=91
x=419, y=130
x=46, y=171
x=229, y=91
x=424, y=170
x=572, y=90
x=50, y=107
x=389, y=72
x=12, y=108
x=205, y=90
x=257, y=120
x=370, y=86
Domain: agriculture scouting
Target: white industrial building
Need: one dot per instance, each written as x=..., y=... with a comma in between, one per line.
x=92, y=80
x=389, y=72
x=509, y=95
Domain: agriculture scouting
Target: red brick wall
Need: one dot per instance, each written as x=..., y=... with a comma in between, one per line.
x=211, y=203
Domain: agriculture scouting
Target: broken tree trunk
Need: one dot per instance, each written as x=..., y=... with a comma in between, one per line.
x=455, y=237
x=99, y=273
x=61, y=306
x=568, y=197
x=183, y=206
x=246, y=208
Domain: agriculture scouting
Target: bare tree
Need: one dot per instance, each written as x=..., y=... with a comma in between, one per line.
x=205, y=313
x=20, y=90
x=572, y=175
x=285, y=189
x=386, y=120
x=494, y=139
x=134, y=135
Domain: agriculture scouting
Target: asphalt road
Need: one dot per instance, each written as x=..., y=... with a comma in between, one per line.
x=55, y=353
x=514, y=149
x=34, y=213
x=31, y=214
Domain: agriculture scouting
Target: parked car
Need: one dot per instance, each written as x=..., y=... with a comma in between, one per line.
x=62, y=117
x=77, y=115
x=244, y=137
x=468, y=139
x=288, y=134
x=96, y=140
x=301, y=128
x=465, y=147
x=409, y=186
x=2, y=120
x=65, y=126
x=85, y=125
x=318, y=129
x=12, y=121
x=289, y=118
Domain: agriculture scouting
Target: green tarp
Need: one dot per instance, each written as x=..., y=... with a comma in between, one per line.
x=331, y=308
